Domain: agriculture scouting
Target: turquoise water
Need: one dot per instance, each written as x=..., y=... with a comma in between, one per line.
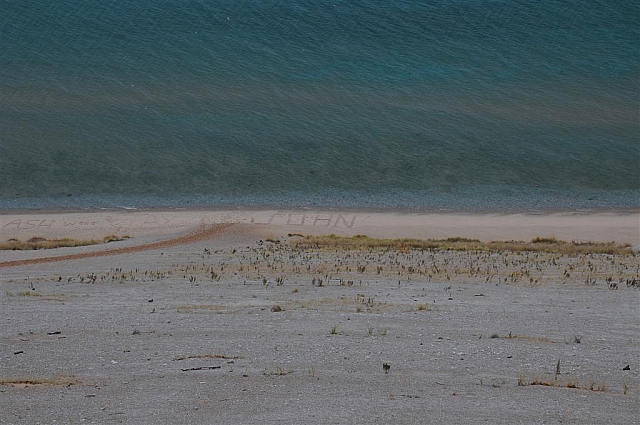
x=414, y=104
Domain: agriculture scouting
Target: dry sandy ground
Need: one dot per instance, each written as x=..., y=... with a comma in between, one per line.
x=621, y=226
x=117, y=338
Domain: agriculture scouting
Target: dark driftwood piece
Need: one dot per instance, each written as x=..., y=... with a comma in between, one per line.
x=202, y=368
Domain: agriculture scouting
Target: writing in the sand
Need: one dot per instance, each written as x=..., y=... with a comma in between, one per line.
x=20, y=224
x=160, y=220
x=329, y=220
x=29, y=224
x=282, y=219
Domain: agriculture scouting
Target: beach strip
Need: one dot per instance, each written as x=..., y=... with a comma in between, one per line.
x=621, y=227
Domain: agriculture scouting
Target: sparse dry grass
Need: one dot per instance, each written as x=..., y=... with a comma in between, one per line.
x=38, y=295
x=360, y=302
x=29, y=294
x=195, y=307
x=42, y=243
x=58, y=381
x=550, y=245
x=524, y=338
x=560, y=383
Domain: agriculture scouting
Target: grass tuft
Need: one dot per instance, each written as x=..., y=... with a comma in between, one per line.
x=546, y=240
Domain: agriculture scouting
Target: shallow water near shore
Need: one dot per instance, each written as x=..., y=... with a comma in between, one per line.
x=435, y=106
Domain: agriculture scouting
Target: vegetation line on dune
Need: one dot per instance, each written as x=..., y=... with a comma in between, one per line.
x=42, y=243
x=551, y=245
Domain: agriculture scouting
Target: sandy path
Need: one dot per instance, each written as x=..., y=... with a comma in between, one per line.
x=200, y=234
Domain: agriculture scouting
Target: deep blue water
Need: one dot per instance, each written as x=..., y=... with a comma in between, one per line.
x=430, y=104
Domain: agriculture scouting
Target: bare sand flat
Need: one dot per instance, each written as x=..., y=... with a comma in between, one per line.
x=622, y=226
x=218, y=317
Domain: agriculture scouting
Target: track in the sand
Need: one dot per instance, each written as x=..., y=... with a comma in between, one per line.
x=200, y=234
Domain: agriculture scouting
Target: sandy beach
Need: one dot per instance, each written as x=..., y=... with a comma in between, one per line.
x=220, y=316
x=622, y=226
